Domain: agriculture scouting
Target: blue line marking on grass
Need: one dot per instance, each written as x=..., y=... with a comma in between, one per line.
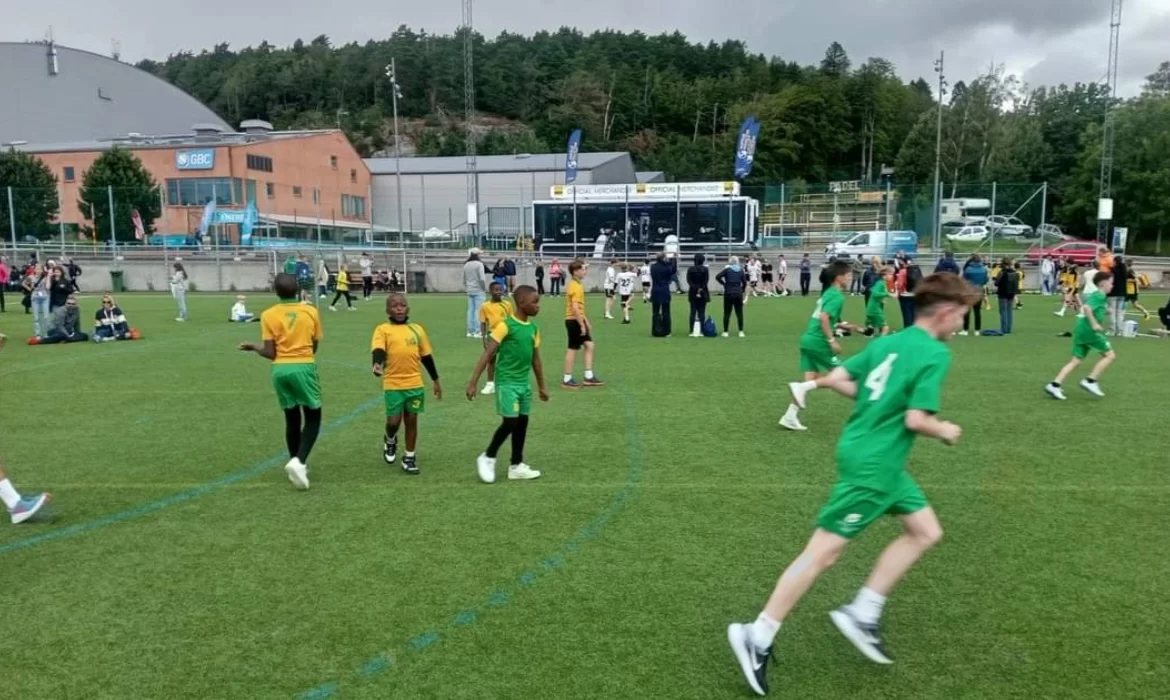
x=501, y=597
x=180, y=497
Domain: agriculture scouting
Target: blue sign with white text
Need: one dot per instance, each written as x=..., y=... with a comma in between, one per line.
x=195, y=159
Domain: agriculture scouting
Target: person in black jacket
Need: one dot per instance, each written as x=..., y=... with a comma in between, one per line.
x=661, y=273
x=539, y=273
x=698, y=277
x=947, y=263
x=1007, y=286
x=805, y=274
x=734, y=281
x=1117, y=297
x=59, y=287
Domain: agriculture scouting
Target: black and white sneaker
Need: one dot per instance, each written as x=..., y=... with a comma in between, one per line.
x=865, y=637
x=391, y=450
x=410, y=466
x=752, y=662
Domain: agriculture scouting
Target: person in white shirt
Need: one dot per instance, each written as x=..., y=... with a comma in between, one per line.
x=754, y=270
x=625, y=288
x=367, y=268
x=781, y=280
x=179, y=290
x=644, y=274
x=240, y=311
x=1047, y=276
x=610, y=286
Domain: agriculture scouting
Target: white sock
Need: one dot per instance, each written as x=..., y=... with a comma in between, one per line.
x=763, y=631
x=568, y=378
x=409, y=454
x=793, y=412
x=589, y=374
x=809, y=385
x=9, y=494
x=867, y=607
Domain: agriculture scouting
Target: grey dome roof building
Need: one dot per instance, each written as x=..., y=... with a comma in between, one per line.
x=54, y=94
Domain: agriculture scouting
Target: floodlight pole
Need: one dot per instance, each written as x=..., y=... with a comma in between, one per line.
x=936, y=239
x=394, y=92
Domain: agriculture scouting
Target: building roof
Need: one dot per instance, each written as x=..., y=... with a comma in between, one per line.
x=644, y=176
x=522, y=163
x=90, y=97
x=186, y=140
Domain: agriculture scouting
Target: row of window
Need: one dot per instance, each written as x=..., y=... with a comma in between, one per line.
x=641, y=224
x=255, y=162
x=198, y=191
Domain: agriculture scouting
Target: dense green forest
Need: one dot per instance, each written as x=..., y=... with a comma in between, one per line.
x=676, y=105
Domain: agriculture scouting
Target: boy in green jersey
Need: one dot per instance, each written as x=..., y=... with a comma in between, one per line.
x=1088, y=334
x=820, y=353
x=896, y=384
x=875, y=308
x=515, y=345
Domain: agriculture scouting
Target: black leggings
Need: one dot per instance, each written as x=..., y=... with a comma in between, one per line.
x=540, y=286
x=517, y=428
x=556, y=286
x=698, y=312
x=805, y=281
x=732, y=303
x=348, y=298
x=298, y=437
x=367, y=287
x=977, y=309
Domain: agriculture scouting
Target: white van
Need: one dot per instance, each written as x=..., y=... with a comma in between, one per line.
x=964, y=211
x=883, y=243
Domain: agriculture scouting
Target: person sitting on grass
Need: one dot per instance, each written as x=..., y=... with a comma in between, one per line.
x=240, y=311
x=66, y=325
x=110, y=323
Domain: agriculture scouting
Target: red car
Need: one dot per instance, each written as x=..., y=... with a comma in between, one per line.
x=1077, y=252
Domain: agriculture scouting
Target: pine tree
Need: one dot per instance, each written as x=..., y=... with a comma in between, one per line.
x=133, y=188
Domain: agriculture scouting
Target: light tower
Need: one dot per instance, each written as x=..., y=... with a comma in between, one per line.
x=1105, y=195
x=469, y=115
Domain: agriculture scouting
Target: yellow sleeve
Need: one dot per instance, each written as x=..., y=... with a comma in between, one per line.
x=536, y=340
x=317, y=331
x=483, y=316
x=269, y=326
x=508, y=308
x=424, y=342
x=500, y=332
x=379, y=340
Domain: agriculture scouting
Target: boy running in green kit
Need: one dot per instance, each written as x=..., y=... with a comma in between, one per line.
x=819, y=350
x=875, y=308
x=896, y=384
x=1088, y=334
x=515, y=345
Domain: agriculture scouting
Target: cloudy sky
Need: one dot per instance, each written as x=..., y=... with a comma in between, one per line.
x=1043, y=41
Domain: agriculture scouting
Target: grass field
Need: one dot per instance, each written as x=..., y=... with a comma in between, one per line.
x=180, y=563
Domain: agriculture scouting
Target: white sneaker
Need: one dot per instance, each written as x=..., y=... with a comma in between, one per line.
x=742, y=335
x=793, y=424
x=724, y=335
x=486, y=466
x=1055, y=392
x=799, y=393
x=489, y=389
x=181, y=320
x=522, y=472
x=477, y=335
x=298, y=473
x=963, y=333
x=1093, y=388
x=864, y=637
x=608, y=317
x=333, y=308
x=353, y=308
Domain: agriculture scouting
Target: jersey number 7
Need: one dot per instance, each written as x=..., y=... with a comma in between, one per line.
x=290, y=319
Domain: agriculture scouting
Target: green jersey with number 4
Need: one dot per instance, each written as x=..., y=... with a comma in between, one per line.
x=894, y=374
x=832, y=302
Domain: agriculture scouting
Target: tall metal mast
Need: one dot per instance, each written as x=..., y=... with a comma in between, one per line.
x=469, y=113
x=1106, y=191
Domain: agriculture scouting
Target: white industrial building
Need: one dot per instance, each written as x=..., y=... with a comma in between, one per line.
x=434, y=189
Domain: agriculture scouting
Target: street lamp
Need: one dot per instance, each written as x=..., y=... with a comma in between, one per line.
x=395, y=94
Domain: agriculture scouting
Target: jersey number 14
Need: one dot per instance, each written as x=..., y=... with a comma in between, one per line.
x=876, y=380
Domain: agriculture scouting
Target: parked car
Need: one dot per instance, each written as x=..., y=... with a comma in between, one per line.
x=1076, y=252
x=1008, y=226
x=1052, y=232
x=883, y=243
x=969, y=234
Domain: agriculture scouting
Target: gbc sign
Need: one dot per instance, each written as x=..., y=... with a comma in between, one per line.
x=200, y=159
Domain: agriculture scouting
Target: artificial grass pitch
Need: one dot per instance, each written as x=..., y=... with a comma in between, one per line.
x=180, y=563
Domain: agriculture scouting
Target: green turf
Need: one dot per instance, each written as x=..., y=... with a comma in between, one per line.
x=670, y=503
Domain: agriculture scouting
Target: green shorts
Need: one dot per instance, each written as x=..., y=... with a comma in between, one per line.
x=819, y=360
x=399, y=401
x=878, y=322
x=296, y=385
x=1083, y=344
x=513, y=400
x=851, y=509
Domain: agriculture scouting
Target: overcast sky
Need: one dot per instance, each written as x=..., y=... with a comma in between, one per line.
x=1043, y=41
